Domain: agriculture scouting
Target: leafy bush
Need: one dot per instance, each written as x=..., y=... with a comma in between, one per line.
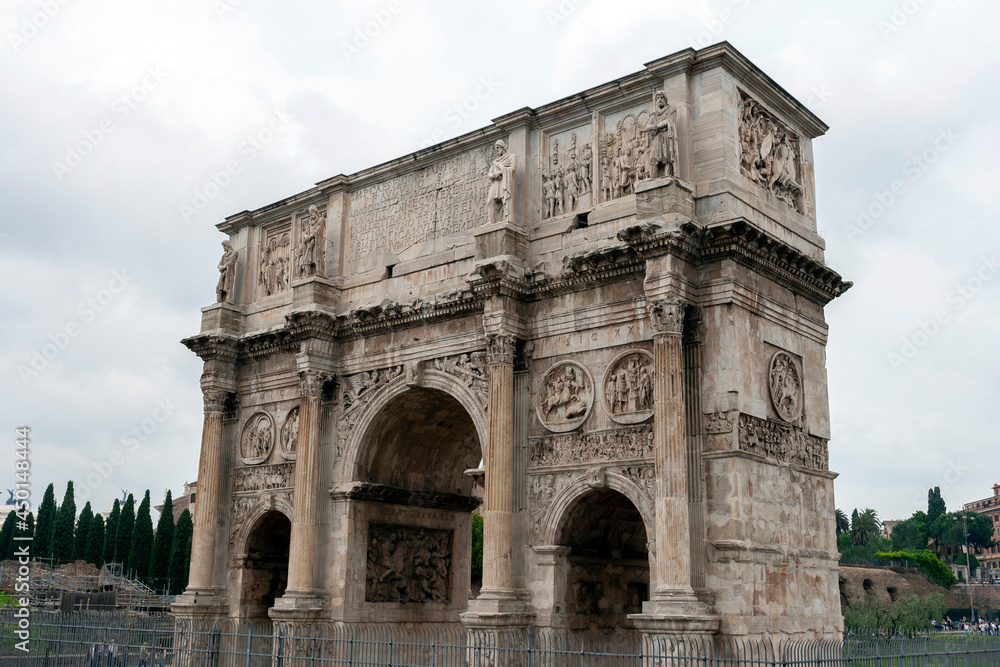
x=904, y=616
x=927, y=561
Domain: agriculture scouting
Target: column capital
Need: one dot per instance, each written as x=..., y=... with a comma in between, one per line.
x=666, y=316
x=311, y=383
x=215, y=399
x=500, y=348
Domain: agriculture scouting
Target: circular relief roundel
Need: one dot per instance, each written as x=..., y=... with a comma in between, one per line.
x=289, y=444
x=785, y=382
x=258, y=438
x=628, y=387
x=565, y=398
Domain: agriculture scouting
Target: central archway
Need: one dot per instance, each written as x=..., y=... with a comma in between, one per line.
x=607, y=574
x=410, y=503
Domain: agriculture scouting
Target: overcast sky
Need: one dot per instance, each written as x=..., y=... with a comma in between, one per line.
x=107, y=254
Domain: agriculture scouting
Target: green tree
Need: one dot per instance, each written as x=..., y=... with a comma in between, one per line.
x=142, y=541
x=82, y=536
x=180, y=553
x=960, y=560
x=477, y=547
x=864, y=527
x=95, y=541
x=7, y=536
x=911, y=533
x=950, y=529
x=935, y=504
x=843, y=523
x=123, y=533
x=162, y=542
x=42, y=543
x=110, y=533
x=62, y=532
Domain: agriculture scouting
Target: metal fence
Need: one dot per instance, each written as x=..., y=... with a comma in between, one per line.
x=117, y=639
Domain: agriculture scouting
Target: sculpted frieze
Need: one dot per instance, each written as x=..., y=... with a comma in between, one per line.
x=628, y=388
x=624, y=444
x=785, y=385
x=782, y=443
x=408, y=564
x=720, y=422
x=258, y=438
x=263, y=478
x=568, y=178
x=642, y=146
x=274, y=273
x=566, y=397
x=769, y=153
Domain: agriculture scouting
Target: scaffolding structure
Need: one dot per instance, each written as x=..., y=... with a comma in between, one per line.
x=79, y=586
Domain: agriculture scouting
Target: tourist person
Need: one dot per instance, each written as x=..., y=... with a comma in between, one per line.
x=143, y=654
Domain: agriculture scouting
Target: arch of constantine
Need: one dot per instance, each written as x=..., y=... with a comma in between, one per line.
x=607, y=310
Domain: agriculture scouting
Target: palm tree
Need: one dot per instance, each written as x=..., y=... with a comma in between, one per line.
x=865, y=526
x=843, y=523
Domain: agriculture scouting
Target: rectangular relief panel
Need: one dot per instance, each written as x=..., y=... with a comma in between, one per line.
x=408, y=564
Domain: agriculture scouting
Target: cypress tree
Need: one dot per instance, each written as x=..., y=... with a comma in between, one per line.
x=162, y=542
x=180, y=553
x=110, y=531
x=142, y=541
x=123, y=533
x=95, y=541
x=42, y=543
x=62, y=532
x=7, y=536
x=82, y=536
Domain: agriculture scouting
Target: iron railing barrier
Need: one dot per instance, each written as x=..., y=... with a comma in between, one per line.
x=122, y=639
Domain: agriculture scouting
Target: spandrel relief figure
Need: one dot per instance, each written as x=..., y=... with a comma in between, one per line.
x=227, y=274
x=501, y=178
x=661, y=130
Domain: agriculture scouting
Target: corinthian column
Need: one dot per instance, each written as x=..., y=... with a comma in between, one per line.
x=301, y=561
x=498, y=505
x=673, y=537
x=206, y=516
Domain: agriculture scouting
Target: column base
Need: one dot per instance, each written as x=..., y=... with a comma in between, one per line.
x=198, y=602
x=298, y=605
x=491, y=612
x=675, y=617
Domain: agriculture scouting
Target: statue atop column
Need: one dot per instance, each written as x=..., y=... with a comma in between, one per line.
x=662, y=128
x=227, y=273
x=501, y=177
x=308, y=257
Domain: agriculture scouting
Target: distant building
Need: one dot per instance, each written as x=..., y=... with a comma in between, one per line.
x=887, y=527
x=989, y=558
x=184, y=501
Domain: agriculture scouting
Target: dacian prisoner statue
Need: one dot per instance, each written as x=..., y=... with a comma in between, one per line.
x=597, y=323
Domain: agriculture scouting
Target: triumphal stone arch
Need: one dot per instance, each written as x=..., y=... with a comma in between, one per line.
x=606, y=311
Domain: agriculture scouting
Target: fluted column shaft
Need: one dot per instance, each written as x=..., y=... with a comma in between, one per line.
x=673, y=538
x=302, y=547
x=498, y=505
x=206, y=516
